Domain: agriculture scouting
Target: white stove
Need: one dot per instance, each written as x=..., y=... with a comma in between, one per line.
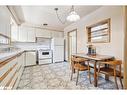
x=44, y=56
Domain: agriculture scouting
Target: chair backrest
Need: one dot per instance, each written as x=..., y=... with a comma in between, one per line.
x=73, y=58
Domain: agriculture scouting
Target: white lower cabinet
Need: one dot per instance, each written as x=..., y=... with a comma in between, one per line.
x=30, y=58
x=21, y=64
x=7, y=73
x=11, y=71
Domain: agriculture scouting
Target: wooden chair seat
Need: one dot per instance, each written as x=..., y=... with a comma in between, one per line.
x=80, y=67
x=114, y=62
x=78, y=64
x=79, y=59
x=111, y=70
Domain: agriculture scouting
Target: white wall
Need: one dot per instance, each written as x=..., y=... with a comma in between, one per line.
x=115, y=47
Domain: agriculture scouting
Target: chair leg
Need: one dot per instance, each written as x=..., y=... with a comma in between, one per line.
x=121, y=82
x=98, y=73
x=120, y=77
x=72, y=73
x=116, y=82
x=89, y=72
x=77, y=77
x=115, y=77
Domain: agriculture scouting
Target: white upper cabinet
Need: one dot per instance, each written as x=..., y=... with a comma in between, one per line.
x=56, y=34
x=31, y=35
x=22, y=35
x=38, y=32
x=4, y=21
x=43, y=33
x=26, y=34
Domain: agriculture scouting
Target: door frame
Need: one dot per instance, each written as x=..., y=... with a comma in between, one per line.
x=69, y=43
x=125, y=47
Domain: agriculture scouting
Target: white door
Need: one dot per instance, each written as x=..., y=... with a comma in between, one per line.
x=72, y=43
x=30, y=58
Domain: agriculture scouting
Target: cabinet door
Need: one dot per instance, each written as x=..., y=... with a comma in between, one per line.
x=4, y=21
x=57, y=34
x=46, y=33
x=22, y=34
x=30, y=35
x=30, y=58
x=8, y=71
x=38, y=32
x=21, y=59
x=21, y=62
x=43, y=33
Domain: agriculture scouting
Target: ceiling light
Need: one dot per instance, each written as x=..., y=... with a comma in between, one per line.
x=72, y=16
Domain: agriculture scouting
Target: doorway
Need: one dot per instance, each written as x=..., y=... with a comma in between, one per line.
x=72, y=43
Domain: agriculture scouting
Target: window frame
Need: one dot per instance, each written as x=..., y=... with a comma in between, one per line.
x=100, y=23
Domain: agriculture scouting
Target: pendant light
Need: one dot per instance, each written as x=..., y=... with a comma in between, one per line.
x=72, y=16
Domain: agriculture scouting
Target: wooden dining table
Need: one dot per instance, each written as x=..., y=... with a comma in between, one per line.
x=96, y=58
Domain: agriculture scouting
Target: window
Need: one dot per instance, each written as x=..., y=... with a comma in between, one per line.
x=14, y=30
x=99, y=32
x=4, y=40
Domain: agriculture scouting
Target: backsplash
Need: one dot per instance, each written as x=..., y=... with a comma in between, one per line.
x=30, y=45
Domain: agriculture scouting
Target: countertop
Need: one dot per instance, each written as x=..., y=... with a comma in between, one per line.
x=7, y=55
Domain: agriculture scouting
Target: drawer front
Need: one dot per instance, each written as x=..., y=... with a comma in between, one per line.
x=7, y=66
x=15, y=79
x=7, y=80
x=11, y=71
x=18, y=79
x=45, y=61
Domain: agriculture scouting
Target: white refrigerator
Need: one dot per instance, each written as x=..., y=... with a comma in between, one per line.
x=57, y=47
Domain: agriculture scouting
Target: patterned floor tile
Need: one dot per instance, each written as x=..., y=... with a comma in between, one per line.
x=57, y=76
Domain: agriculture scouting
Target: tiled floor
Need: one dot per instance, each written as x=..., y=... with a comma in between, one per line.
x=57, y=76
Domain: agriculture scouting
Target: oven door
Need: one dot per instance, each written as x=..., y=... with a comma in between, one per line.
x=45, y=54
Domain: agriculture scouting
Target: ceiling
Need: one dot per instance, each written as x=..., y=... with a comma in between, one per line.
x=38, y=15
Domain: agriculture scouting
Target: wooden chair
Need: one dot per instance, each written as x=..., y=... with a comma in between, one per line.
x=111, y=70
x=79, y=65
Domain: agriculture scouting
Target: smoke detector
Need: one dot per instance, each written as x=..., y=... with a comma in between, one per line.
x=45, y=24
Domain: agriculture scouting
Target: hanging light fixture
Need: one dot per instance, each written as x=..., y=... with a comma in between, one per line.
x=72, y=16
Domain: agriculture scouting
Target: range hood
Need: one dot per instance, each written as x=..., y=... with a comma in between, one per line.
x=43, y=41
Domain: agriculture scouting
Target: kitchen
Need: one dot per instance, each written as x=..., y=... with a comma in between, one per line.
x=37, y=55
x=29, y=45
